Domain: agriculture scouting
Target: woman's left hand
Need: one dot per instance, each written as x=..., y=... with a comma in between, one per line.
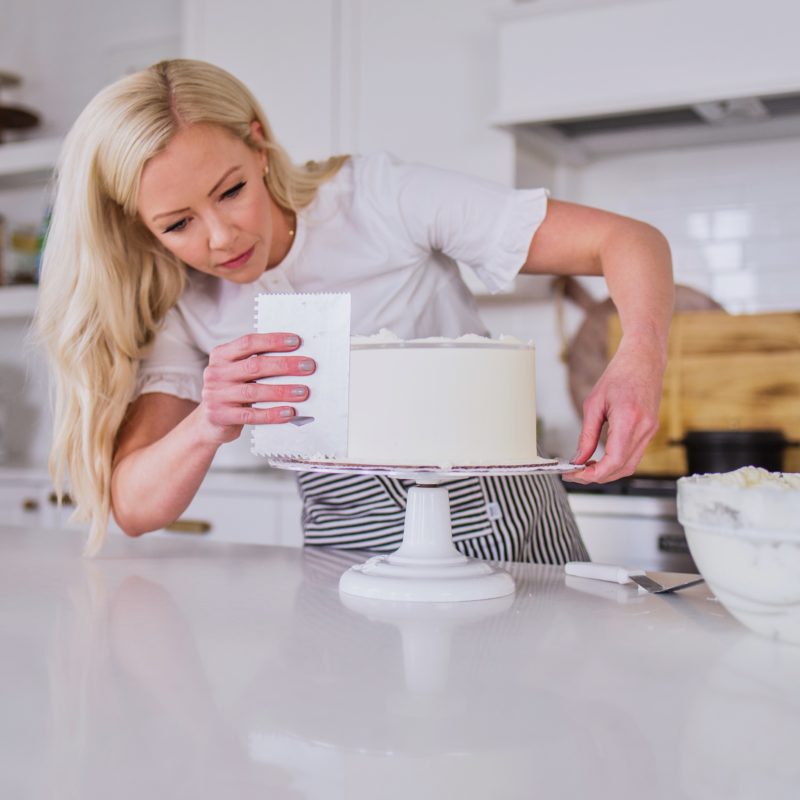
x=627, y=396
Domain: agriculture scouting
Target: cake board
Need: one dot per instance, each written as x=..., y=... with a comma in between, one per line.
x=426, y=567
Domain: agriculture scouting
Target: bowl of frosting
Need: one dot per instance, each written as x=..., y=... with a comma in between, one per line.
x=743, y=531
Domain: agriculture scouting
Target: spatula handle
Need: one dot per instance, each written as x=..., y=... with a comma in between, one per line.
x=600, y=572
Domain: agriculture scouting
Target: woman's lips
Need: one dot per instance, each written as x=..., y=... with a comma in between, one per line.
x=239, y=260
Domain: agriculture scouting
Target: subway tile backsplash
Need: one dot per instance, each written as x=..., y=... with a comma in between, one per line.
x=731, y=214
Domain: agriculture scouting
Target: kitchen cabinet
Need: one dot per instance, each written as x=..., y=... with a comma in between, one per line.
x=255, y=507
x=287, y=54
x=572, y=60
x=262, y=509
x=634, y=531
x=24, y=503
x=413, y=78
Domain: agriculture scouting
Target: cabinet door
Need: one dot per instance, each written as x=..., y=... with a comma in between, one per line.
x=244, y=518
x=634, y=541
x=22, y=504
x=284, y=53
x=418, y=81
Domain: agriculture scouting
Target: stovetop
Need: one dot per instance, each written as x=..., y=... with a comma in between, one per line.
x=643, y=486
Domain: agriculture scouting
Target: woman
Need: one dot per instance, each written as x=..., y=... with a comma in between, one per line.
x=175, y=206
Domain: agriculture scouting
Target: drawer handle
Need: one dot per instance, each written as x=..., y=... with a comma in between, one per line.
x=66, y=500
x=29, y=504
x=673, y=543
x=188, y=526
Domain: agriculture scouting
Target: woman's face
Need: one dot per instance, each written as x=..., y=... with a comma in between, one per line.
x=204, y=199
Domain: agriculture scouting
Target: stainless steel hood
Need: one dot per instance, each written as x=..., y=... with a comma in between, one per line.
x=588, y=78
x=741, y=119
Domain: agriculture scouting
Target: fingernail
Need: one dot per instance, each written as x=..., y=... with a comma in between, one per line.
x=306, y=366
x=291, y=341
x=286, y=412
x=298, y=391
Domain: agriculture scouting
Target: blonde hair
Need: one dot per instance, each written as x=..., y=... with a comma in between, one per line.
x=106, y=281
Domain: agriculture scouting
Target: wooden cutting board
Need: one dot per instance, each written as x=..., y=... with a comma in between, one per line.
x=586, y=355
x=725, y=372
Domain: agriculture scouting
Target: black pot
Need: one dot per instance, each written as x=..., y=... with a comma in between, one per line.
x=722, y=451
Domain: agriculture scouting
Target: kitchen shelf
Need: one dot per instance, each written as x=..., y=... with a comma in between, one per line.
x=17, y=302
x=26, y=162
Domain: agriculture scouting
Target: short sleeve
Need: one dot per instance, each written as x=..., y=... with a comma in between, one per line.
x=174, y=364
x=485, y=225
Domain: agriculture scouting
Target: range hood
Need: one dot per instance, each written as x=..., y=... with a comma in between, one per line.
x=740, y=119
x=587, y=78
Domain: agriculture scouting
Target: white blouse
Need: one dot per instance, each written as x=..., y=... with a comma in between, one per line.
x=388, y=233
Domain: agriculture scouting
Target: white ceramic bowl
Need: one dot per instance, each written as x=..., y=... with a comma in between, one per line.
x=743, y=530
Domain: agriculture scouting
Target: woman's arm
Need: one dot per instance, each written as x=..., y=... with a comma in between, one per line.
x=635, y=260
x=166, y=444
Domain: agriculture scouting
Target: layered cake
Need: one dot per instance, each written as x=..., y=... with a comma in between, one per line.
x=469, y=401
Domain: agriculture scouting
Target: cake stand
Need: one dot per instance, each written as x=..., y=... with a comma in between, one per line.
x=426, y=566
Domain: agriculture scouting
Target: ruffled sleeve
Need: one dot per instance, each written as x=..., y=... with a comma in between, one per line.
x=480, y=223
x=519, y=222
x=174, y=364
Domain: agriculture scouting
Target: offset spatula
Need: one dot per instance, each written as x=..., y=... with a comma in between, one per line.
x=617, y=574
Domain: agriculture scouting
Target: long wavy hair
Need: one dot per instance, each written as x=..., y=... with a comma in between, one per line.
x=106, y=282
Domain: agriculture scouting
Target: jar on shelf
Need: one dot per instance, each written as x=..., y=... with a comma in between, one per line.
x=23, y=254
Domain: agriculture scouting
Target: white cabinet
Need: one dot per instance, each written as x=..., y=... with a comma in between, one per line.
x=285, y=53
x=262, y=513
x=631, y=530
x=23, y=503
x=254, y=507
x=583, y=59
x=414, y=78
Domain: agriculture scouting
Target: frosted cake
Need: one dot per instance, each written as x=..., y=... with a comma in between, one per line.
x=442, y=402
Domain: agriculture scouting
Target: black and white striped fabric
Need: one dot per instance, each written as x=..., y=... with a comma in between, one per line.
x=498, y=518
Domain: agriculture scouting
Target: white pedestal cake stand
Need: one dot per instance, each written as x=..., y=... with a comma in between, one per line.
x=426, y=566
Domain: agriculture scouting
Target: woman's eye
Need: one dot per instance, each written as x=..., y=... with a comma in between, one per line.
x=234, y=190
x=177, y=226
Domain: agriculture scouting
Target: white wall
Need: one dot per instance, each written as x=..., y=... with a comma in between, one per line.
x=731, y=213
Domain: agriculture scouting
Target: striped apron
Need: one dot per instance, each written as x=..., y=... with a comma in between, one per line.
x=498, y=518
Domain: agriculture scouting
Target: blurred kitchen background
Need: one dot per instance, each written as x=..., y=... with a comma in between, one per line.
x=682, y=113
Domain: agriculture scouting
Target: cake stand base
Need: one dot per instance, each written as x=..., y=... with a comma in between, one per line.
x=426, y=567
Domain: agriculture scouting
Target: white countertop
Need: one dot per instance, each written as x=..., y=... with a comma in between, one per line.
x=167, y=669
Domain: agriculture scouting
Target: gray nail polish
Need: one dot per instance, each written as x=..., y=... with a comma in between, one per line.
x=306, y=366
x=291, y=341
x=298, y=391
x=286, y=412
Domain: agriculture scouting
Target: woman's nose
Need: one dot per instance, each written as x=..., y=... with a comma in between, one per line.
x=220, y=232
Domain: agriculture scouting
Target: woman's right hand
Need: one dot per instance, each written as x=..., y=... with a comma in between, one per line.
x=230, y=387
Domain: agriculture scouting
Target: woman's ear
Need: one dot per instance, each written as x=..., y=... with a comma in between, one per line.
x=257, y=135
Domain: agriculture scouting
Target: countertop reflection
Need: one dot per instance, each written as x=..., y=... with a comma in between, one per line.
x=185, y=669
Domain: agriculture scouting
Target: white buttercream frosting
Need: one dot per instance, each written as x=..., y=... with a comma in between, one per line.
x=749, y=477
x=750, y=498
x=385, y=336
x=468, y=401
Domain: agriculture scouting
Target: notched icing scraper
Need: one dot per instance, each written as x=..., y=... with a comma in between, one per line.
x=322, y=321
